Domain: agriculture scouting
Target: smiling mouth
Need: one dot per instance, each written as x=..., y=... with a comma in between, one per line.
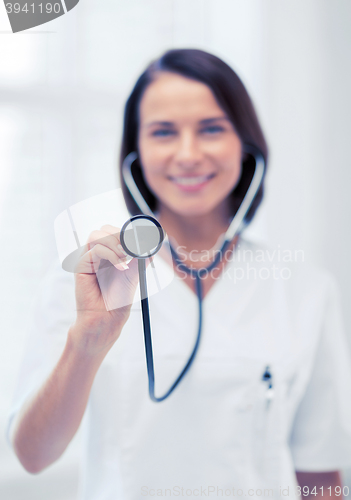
x=191, y=181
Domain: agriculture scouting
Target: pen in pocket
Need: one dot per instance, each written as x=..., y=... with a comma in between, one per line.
x=268, y=379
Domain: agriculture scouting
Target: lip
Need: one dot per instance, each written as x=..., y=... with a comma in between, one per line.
x=191, y=187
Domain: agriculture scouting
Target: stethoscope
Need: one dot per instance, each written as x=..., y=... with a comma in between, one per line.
x=142, y=237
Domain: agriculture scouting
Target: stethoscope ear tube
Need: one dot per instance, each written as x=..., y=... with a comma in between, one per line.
x=250, y=195
x=239, y=217
x=132, y=187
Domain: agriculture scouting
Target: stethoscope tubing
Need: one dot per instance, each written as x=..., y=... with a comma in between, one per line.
x=237, y=223
x=234, y=228
x=197, y=273
x=148, y=340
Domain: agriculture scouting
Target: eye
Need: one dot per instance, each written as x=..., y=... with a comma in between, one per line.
x=162, y=132
x=212, y=129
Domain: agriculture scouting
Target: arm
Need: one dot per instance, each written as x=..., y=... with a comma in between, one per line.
x=319, y=482
x=47, y=423
x=321, y=436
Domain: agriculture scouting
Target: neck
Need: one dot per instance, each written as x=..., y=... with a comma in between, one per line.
x=195, y=232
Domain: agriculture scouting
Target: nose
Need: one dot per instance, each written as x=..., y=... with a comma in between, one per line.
x=188, y=154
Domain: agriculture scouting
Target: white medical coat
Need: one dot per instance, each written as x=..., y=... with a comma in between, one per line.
x=217, y=434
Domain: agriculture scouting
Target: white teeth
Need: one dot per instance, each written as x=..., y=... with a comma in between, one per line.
x=191, y=181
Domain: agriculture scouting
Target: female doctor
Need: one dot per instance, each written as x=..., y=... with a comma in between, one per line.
x=263, y=410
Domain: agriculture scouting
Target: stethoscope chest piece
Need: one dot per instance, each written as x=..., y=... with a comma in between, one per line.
x=142, y=236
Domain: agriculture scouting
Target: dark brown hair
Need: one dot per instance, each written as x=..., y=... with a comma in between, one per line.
x=231, y=96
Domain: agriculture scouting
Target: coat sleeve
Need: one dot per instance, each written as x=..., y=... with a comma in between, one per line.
x=52, y=314
x=321, y=435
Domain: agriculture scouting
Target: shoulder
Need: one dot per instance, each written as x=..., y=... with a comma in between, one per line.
x=301, y=298
x=291, y=263
x=285, y=273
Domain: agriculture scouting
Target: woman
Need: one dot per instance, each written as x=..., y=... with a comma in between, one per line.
x=221, y=432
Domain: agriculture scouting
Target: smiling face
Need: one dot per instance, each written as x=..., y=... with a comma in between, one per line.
x=189, y=151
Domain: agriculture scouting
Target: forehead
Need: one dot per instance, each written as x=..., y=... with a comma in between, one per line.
x=172, y=97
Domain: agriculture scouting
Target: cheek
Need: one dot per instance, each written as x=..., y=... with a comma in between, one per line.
x=152, y=156
x=226, y=152
x=231, y=177
x=153, y=171
x=231, y=167
x=150, y=161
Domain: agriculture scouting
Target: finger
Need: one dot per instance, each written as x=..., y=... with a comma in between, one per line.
x=102, y=252
x=115, y=232
x=111, y=229
x=99, y=235
x=106, y=239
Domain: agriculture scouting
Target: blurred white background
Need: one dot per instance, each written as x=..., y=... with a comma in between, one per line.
x=62, y=91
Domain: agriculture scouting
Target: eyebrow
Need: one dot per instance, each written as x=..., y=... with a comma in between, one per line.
x=160, y=123
x=206, y=121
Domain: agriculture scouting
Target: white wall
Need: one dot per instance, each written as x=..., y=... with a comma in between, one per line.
x=62, y=90
x=306, y=109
